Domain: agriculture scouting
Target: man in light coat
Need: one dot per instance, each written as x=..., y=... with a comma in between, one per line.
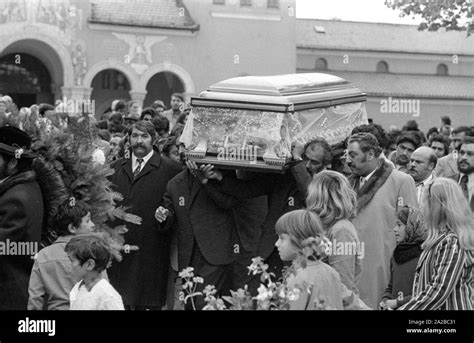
x=381, y=190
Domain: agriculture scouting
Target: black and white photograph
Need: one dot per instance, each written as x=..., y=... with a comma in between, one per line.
x=179, y=162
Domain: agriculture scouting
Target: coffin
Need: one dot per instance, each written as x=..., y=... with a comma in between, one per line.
x=251, y=122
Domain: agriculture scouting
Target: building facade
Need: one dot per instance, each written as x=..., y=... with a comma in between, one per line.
x=143, y=49
x=406, y=73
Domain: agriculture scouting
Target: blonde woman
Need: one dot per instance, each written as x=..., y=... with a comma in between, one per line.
x=444, y=274
x=331, y=197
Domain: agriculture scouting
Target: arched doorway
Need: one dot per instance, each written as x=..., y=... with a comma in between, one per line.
x=25, y=79
x=161, y=86
x=108, y=85
x=27, y=60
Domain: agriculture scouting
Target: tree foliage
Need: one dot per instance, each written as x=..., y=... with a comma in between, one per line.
x=453, y=15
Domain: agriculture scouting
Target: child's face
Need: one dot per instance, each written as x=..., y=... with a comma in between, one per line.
x=285, y=248
x=78, y=270
x=399, y=231
x=86, y=225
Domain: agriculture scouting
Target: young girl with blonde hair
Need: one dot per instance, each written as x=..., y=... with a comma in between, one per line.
x=319, y=282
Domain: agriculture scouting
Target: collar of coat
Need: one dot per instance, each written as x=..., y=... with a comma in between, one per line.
x=405, y=252
x=368, y=190
x=25, y=177
x=154, y=161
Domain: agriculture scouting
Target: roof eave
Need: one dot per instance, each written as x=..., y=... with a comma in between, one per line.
x=193, y=28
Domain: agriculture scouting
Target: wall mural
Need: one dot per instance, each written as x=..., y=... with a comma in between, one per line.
x=139, y=54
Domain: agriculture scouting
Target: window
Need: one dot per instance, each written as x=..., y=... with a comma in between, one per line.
x=245, y=3
x=319, y=29
x=218, y=2
x=321, y=64
x=442, y=70
x=382, y=67
x=273, y=3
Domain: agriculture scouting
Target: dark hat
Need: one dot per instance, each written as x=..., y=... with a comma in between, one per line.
x=411, y=137
x=15, y=142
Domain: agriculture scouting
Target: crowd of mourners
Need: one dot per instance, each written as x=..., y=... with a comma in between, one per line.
x=397, y=206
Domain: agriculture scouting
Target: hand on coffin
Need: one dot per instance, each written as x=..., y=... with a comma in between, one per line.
x=196, y=172
x=211, y=173
x=161, y=213
x=297, y=151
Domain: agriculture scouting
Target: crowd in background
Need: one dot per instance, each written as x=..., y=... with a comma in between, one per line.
x=407, y=195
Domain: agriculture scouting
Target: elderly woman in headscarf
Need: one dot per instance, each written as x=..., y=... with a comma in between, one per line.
x=410, y=233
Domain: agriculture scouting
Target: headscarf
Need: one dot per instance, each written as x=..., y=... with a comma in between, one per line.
x=415, y=234
x=415, y=230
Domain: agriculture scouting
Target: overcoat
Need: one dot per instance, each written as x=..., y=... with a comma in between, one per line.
x=21, y=220
x=203, y=215
x=374, y=224
x=141, y=276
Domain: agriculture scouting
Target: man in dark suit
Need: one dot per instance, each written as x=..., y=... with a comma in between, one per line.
x=207, y=239
x=21, y=216
x=141, y=276
x=465, y=163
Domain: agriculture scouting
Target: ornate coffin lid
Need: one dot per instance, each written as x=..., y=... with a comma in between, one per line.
x=282, y=93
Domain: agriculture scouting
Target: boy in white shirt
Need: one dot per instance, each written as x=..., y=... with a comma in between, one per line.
x=89, y=256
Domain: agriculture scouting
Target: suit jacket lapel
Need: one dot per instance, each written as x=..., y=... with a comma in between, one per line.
x=153, y=163
x=127, y=167
x=194, y=190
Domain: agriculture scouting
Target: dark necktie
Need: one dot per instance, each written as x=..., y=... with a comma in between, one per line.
x=463, y=184
x=139, y=168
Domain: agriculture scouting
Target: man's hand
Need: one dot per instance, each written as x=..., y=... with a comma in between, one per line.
x=196, y=172
x=211, y=173
x=391, y=304
x=161, y=213
x=297, y=151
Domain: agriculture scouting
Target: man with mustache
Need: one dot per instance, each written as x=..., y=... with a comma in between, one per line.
x=315, y=156
x=407, y=142
x=381, y=190
x=465, y=177
x=447, y=166
x=142, y=275
x=421, y=167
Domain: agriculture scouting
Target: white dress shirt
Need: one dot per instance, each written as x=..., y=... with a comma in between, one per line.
x=421, y=186
x=364, y=179
x=145, y=160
